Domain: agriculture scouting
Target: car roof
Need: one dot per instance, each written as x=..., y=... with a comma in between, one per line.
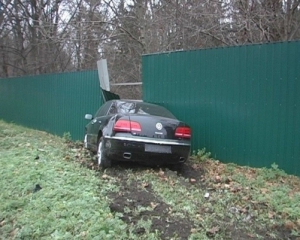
x=126, y=100
x=135, y=101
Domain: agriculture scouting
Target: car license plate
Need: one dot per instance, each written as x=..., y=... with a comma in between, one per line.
x=157, y=148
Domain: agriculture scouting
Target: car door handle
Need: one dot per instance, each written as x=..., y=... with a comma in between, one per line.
x=94, y=121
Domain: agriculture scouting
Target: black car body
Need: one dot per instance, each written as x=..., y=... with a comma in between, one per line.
x=127, y=130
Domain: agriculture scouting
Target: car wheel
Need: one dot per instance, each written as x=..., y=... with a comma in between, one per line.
x=85, y=144
x=103, y=161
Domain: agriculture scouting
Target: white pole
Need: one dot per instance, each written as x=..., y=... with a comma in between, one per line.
x=103, y=74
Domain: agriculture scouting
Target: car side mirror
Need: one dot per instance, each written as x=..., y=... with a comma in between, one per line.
x=88, y=116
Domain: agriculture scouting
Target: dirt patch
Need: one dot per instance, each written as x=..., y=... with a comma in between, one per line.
x=137, y=201
x=137, y=204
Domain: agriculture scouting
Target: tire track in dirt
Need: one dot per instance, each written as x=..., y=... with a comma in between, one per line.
x=137, y=201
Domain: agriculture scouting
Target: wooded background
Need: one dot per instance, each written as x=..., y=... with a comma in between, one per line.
x=47, y=36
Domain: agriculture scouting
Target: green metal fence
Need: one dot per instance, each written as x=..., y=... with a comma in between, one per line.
x=55, y=103
x=243, y=103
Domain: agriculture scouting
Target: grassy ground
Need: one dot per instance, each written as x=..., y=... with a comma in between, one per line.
x=52, y=189
x=69, y=205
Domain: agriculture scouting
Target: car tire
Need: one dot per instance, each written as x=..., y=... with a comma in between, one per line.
x=103, y=161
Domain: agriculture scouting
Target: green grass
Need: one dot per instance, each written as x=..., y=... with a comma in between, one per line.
x=70, y=204
x=74, y=201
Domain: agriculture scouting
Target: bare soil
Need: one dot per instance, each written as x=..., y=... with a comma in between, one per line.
x=132, y=196
x=136, y=194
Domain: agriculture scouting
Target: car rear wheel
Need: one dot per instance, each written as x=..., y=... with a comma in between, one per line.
x=103, y=161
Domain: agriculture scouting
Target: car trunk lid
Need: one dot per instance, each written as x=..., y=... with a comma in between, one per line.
x=153, y=127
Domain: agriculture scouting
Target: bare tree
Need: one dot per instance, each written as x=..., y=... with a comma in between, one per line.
x=31, y=37
x=39, y=36
x=266, y=20
x=126, y=44
x=89, y=30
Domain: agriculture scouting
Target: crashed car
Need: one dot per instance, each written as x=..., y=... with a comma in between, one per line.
x=128, y=130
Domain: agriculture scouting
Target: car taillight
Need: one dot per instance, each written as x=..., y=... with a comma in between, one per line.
x=183, y=132
x=127, y=126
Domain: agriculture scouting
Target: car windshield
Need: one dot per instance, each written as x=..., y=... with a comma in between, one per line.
x=142, y=108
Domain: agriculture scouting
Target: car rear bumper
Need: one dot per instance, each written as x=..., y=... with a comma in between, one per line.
x=152, y=151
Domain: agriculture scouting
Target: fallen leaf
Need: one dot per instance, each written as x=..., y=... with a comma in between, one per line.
x=291, y=194
x=199, y=216
x=105, y=176
x=195, y=166
x=298, y=222
x=289, y=225
x=271, y=215
x=244, y=210
x=264, y=190
x=164, y=178
x=235, y=189
x=161, y=173
x=218, y=179
x=211, y=232
x=246, y=198
x=14, y=232
x=250, y=235
x=228, y=180
x=192, y=180
x=154, y=205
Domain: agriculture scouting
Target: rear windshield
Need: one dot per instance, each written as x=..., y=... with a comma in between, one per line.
x=140, y=108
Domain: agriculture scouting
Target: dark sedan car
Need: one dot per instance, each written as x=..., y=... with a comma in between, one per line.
x=126, y=130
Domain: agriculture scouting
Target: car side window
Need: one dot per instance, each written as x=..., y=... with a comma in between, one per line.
x=113, y=109
x=103, y=110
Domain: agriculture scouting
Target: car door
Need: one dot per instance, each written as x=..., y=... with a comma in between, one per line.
x=98, y=122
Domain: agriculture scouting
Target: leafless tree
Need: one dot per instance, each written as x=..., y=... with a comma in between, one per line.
x=31, y=37
x=39, y=36
x=266, y=20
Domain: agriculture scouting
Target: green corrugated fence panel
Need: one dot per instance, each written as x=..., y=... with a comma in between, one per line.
x=243, y=102
x=55, y=103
